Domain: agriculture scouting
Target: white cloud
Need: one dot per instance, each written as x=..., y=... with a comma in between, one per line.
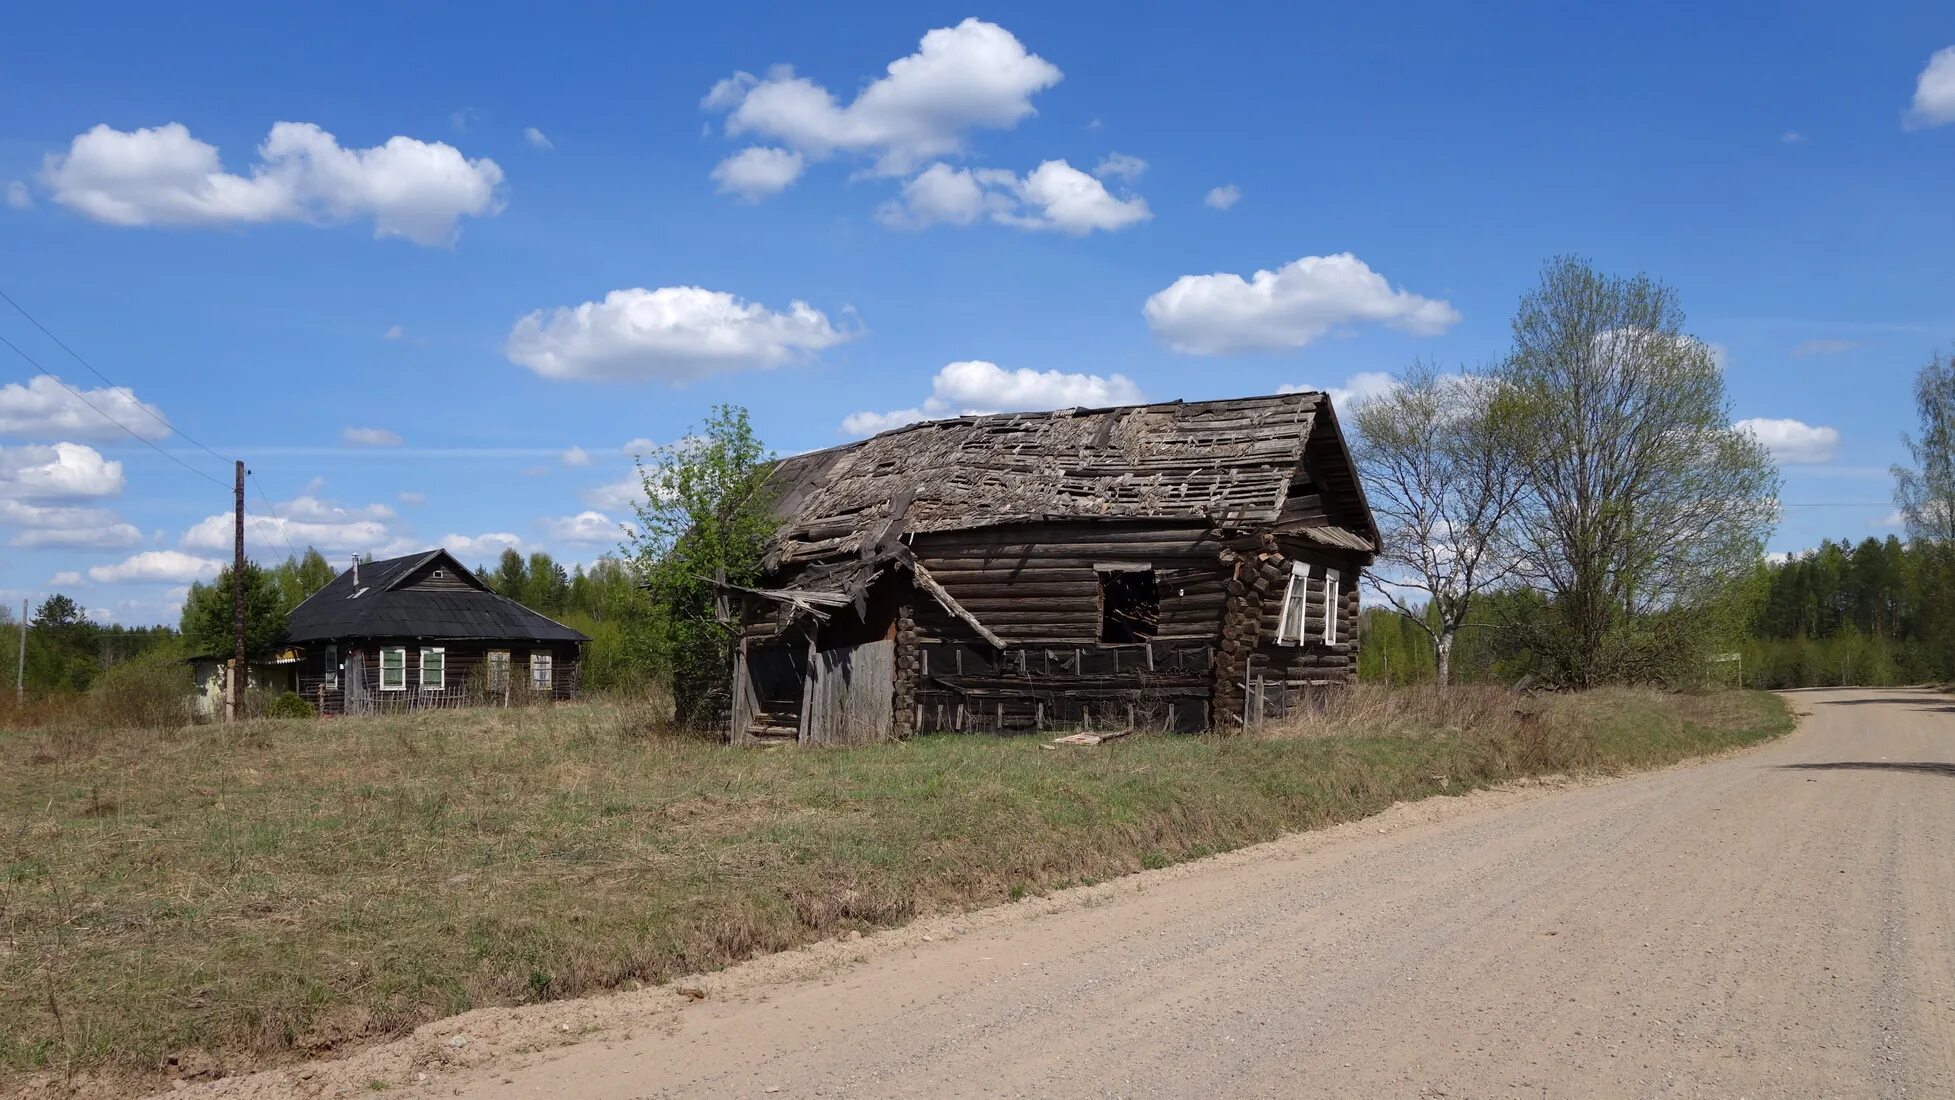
x=18, y=196
x=32, y=471
x=1361, y=386
x=1223, y=197
x=1122, y=166
x=1286, y=308
x=1934, y=92
x=411, y=497
x=44, y=526
x=1054, y=196
x=586, y=527
x=43, y=407
x=394, y=332
x=636, y=447
x=1792, y=137
x=370, y=437
x=306, y=521
x=758, y=171
x=1891, y=519
x=66, y=577
x=480, y=547
x=537, y=138
x=977, y=386
x=674, y=333
x=1809, y=348
x=1792, y=441
x=164, y=176
x=575, y=456
x=974, y=75
x=169, y=566
x=618, y=495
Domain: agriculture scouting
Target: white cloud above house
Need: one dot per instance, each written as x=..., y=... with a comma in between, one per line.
x=163, y=176
x=1287, y=308
x=1120, y=166
x=1934, y=93
x=42, y=407
x=1793, y=442
x=325, y=525
x=480, y=548
x=973, y=76
x=537, y=139
x=156, y=566
x=61, y=471
x=1359, y=387
x=978, y=386
x=369, y=437
x=586, y=527
x=575, y=456
x=672, y=334
x=616, y=496
x=67, y=527
x=758, y=171
x=1223, y=197
x=1054, y=196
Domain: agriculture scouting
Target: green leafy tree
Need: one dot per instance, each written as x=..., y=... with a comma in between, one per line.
x=511, y=575
x=706, y=516
x=207, y=613
x=62, y=646
x=1643, y=500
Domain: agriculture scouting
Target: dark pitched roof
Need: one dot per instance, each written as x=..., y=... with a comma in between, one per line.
x=1230, y=463
x=384, y=605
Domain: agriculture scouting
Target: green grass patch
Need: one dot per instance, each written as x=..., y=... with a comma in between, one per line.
x=273, y=891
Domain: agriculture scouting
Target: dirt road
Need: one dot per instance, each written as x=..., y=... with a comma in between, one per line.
x=1780, y=923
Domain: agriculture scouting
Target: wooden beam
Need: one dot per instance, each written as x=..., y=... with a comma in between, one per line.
x=929, y=584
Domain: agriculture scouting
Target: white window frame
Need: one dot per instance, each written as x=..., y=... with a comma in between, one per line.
x=440, y=684
x=332, y=668
x=1331, y=597
x=497, y=678
x=402, y=685
x=1291, y=627
x=548, y=679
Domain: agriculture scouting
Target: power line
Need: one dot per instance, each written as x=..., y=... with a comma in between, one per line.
x=133, y=433
x=273, y=508
x=151, y=413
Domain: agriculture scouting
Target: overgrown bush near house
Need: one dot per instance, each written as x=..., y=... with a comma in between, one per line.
x=151, y=691
x=287, y=704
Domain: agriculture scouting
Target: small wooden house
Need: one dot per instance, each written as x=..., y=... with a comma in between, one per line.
x=423, y=631
x=1186, y=565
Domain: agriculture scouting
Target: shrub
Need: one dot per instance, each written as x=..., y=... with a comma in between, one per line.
x=151, y=691
x=288, y=704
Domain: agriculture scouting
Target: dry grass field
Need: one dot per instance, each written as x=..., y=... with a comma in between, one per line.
x=234, y=897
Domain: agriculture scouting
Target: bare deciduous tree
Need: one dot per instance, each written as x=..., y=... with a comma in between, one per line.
x=1925, y=494
x=1644, y=502
x=1442, y=467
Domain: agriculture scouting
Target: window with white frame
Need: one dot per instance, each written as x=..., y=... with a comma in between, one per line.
x=498, y=670
x=393, y=669
x=1330, y=606
x=1291, y=624
x=541, y=674
x=434, y=669
x=332, y=667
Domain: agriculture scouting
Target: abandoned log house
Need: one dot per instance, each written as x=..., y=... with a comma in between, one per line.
x=421, y=632
x=1186, y=566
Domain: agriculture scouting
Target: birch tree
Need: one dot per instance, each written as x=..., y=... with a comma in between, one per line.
x=1644, y=503
x=1442, y=466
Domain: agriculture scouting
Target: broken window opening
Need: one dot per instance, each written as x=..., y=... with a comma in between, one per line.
x=1130, y=603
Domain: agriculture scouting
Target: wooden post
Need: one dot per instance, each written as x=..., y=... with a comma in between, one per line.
x=20, y=662
x=237, y=602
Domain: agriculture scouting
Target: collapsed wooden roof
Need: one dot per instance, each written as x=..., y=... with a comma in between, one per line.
x=1230, y=464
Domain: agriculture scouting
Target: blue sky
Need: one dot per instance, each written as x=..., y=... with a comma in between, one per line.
x=352, y=251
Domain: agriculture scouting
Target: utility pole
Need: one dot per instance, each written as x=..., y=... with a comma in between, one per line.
x=237, y=604
x=20, y=666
